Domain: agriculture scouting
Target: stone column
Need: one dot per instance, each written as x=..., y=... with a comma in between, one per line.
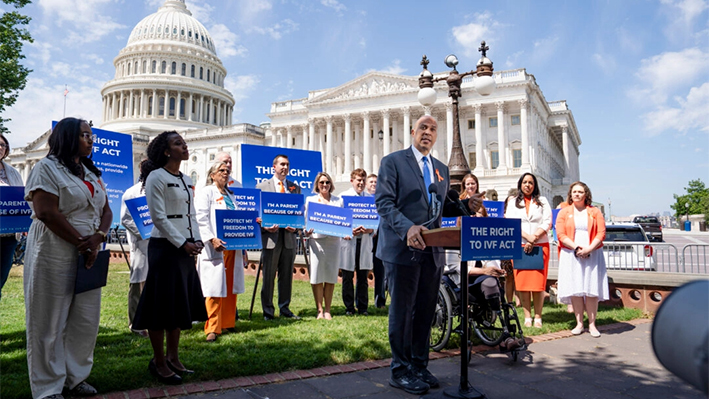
x=385, y=129
x=357, y=161
x=155, y=104
x=348, y=144
x=479, y=145
x=395, y=135
x=407, y=126
x=189, y=108
x=281, y=138
x=525, y=132
x=329, y=139
x=338, y=150
x=289, y=137
x=501, y=139
x=304, y=143
x=565, y=148
x=321, y=146
x=211, y=110
x=178, y=107
x=142, y=104
x=129, y=111
x=120, y=105
x=166, y=105
x=311, y=134
x=366, y=144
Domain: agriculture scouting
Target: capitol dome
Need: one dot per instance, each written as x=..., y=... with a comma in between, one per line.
x=168, y=77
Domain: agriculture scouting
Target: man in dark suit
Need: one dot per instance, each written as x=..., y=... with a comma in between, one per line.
x=279, y=246
x=413, y=270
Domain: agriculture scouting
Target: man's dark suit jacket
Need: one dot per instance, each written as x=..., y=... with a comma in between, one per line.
x=402, y=202
x=268, y=239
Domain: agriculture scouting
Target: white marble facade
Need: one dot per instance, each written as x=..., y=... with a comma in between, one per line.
x=512, y=131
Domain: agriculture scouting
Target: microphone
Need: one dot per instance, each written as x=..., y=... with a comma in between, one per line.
x=435, y=205
x=455, y=198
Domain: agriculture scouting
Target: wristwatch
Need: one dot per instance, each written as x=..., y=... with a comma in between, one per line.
x=104, y=238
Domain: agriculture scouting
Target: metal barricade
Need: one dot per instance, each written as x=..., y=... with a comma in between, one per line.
x=629, y=256
x=695, y=257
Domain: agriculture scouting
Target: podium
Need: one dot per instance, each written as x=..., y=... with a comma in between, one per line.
x=449, y=238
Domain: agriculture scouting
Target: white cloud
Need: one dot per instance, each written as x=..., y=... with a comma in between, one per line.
x=226, y=42
x=278, y=30
x=27, y=124
x=469, y=36
x=665, y=74
x=362, y=43
x=250, y=9
x=512, y=60
x=84, y=21
x=334, y=4
x=241, y=88
x=95, y=58
x=44, y=50
x=690, y=113
x=544, y=49
x=201, y=11
x=394, y=68
x=289, y=92
x=681, y=15
x=688, y=9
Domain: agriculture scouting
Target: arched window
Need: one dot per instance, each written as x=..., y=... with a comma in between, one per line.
x=173, y=70
x=172, y=106
x=192, y=71
x=145, y=66
x=196, y=35
x=135, y=70
x=207, y=75
x=161, y=106
x=174, y=31
x=182, y=31
x=201, y=72
x=182, y=108
x=163, y=67
x=150, y=105
x=189, y=34
x=167, y=29
x=154, y=67
x=184, y=69
x=128, y=68
x=193, y=176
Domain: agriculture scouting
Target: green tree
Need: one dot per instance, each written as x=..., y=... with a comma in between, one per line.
x=697, y=196
x=13, y=75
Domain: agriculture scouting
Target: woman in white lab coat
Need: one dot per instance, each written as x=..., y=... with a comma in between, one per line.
x=221, y=272
x=70, y=215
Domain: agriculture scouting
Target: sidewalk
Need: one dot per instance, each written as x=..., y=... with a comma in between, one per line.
x=620, y=364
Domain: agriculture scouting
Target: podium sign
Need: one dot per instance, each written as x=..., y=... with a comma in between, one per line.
x=490, y=239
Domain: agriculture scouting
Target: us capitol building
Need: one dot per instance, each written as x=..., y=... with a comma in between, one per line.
x=169, y=77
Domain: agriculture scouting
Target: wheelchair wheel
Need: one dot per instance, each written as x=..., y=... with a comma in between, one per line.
x=489, y=327
x=442, y=320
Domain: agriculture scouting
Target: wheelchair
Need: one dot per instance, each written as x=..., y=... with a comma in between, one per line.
x=491, y=327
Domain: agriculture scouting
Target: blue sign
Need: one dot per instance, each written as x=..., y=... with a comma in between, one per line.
x=495, y=209
x=247, y=199
x=239, y=229
x=113, y=156
x=284, y=210
x=257, y=165
x=138, y=208
x=329, y=220
x=554, y=214
x=490, y=239
x=15, y=213
x=364, y=211
x=449, y=222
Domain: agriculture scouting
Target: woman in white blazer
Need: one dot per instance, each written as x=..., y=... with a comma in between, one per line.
x=220, y=271
x=9, y=176
x=535, y=213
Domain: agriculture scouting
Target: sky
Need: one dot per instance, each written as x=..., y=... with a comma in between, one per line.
x=634, y=73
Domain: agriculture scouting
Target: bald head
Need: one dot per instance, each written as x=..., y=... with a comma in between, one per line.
x=424, y=134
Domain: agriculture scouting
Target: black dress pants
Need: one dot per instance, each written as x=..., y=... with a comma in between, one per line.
x=361, y=291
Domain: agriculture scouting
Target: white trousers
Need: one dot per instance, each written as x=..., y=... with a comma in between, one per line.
x=61, y=327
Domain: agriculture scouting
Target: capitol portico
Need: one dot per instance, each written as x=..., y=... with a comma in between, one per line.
x=512, y=131
x=169, y=77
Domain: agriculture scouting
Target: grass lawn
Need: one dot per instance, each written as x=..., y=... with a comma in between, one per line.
x=258, y=347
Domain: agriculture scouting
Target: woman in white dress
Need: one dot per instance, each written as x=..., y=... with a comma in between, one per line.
x=583, y=280
x=221, y=271
x=324, y=250
x=70, y=216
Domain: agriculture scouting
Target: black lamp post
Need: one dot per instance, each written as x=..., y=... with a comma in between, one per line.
x=484, y=84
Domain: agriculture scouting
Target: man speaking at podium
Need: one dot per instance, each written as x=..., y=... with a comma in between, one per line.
x=411, y=197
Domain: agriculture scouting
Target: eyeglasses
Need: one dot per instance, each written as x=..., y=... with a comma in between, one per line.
x=3, y=145
x=86, y=136
x=324, y=183
x=224, y=171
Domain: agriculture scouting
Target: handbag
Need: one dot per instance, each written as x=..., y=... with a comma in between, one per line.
x=96, y=277
x=530, y=261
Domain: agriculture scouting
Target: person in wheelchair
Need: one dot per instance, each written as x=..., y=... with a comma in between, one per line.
x=485, y=290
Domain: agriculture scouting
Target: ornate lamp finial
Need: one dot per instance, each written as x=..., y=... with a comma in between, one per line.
x=483, y=48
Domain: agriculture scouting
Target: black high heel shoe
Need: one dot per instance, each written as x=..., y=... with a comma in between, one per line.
x=174, y=379
x=178, y=371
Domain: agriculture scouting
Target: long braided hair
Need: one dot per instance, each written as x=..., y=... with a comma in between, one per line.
x=64, y=145
x=156, y=155
x=519, y=201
